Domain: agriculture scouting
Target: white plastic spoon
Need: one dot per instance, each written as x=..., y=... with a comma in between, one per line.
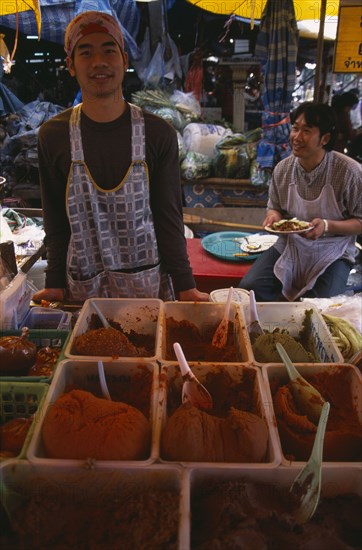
x=306, y=487
x=255, y=328
x=307, y=396
x=102, y=380
x=192, y=390
x=104, y=321
x=220, y=337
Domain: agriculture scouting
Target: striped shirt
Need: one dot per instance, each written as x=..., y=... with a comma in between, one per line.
x=345, y=178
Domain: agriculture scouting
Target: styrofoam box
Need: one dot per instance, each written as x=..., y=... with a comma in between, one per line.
x=84, y=375
x=276, y=374
x=46, y=318
x=171, y=383
x=290, y=317
x=335, y=481
x=138, y=314
x=205, y=315
x=94, y=490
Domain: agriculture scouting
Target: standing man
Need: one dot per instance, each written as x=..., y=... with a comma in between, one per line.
x=110, y=184
x=317, y=185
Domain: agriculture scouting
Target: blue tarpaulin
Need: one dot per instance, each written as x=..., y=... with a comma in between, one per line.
x=56, y=16
x=277, y=45
x=9, y=103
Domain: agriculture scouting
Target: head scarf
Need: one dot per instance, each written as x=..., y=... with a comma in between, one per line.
x=89, y=22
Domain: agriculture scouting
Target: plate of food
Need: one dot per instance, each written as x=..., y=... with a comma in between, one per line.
x=225, y=245
x=254, y=244
x=293, y=225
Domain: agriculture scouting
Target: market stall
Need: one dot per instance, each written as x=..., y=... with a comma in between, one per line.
x=103, y=423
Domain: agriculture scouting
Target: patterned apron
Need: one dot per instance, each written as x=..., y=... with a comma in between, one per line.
x=302, y=260
x=112, y=251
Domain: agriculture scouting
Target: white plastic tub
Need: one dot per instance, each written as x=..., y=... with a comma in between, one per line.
x=134, y=314
x=289, y=317
x=246, y=386
x=135, y=384
x=56, y=506
x=216, y=511
x=346, y=392
x=205, y=316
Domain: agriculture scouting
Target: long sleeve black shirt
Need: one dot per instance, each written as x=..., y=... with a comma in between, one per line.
x=107, y=153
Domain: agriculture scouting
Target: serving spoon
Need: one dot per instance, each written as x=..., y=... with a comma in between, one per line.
x=220, y=337
x=192, y=390
x=102, y=380
x=306, y=488
x=307, y=396
x=255, y=328
x=104, y=321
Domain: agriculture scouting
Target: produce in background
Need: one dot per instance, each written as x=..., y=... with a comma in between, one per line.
x=202, y=138
x=178, y=109
x=348, y=339
x=195, y=166
x=172, y=116
x=234, y=154
x=181, y=149
x=259, y=175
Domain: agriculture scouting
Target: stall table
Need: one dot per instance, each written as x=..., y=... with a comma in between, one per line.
x=211, y=273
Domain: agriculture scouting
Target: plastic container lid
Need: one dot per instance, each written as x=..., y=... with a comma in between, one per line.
x=239, y=295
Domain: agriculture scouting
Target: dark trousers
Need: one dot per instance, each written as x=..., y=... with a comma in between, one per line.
x=268, y=288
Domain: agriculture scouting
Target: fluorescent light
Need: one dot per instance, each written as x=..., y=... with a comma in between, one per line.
x=31, y=37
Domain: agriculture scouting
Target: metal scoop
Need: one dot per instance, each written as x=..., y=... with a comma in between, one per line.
x=306, y=487
x=220, y=337
x=255, y=328
x=101, y=316
x=307, y=396
x=192, y=390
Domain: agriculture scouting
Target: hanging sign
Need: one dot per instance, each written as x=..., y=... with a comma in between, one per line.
x=348, y=47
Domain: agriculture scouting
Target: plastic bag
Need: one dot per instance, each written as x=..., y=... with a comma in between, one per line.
x=347, y=307
x=15, y=301
x=234, y=156
x=186, y=102
x=195, y=166
x=259, y=175
x=159, y=68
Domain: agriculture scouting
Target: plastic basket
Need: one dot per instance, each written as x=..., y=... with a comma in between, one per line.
x=42, y=338
x=21, y=400
x=46, y=318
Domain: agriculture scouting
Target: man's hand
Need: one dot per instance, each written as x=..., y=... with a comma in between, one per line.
x=49, y=295
x=318, y=229
x=272, y=216
x=193, y=295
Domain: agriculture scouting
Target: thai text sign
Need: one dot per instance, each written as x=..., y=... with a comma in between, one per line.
x=348, y=48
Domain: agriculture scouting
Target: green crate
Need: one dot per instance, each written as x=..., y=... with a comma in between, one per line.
x=42, y=338
x=21, y=400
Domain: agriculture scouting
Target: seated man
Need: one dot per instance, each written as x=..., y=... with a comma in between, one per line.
x=317, y=185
